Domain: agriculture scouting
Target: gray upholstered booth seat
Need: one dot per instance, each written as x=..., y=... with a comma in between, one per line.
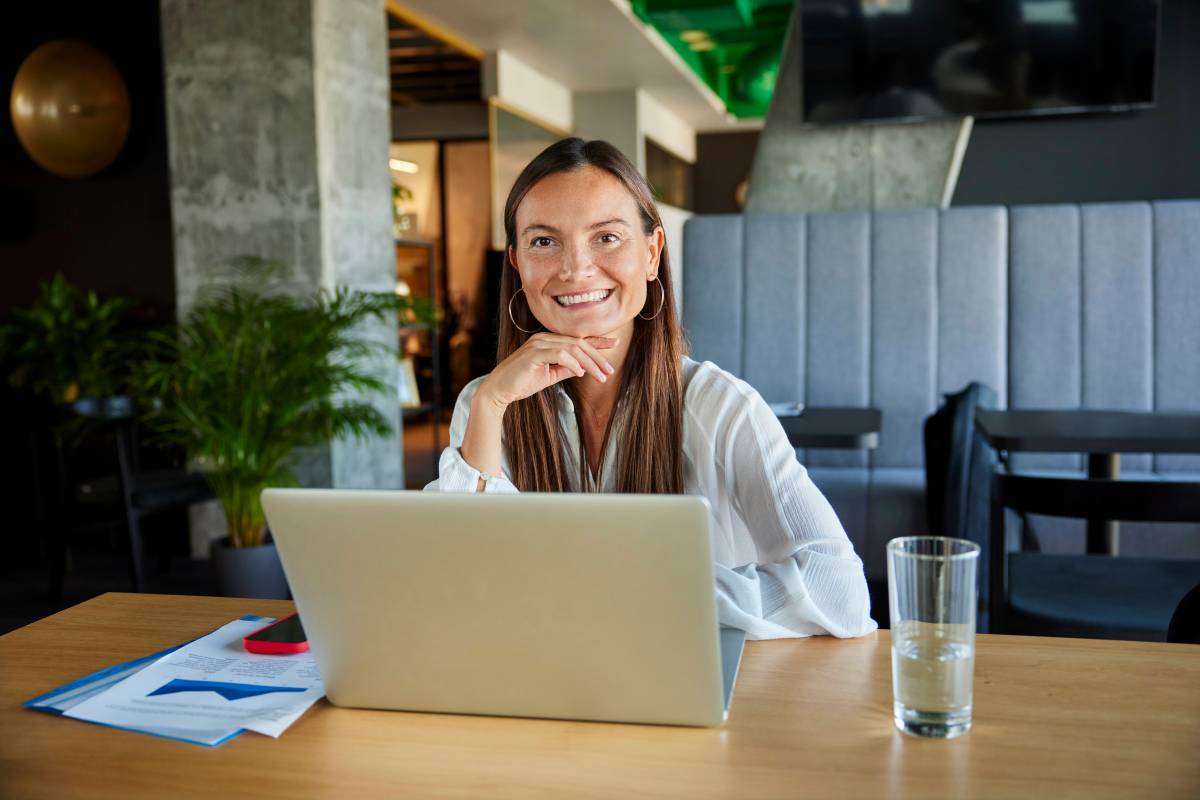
x=1064, y=306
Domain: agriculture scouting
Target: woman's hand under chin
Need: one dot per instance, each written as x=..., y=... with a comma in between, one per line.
x=544, y=360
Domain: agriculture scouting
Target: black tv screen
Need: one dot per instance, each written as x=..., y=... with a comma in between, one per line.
x=917, y=59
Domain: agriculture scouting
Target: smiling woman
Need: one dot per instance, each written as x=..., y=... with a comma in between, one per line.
x=592, y=391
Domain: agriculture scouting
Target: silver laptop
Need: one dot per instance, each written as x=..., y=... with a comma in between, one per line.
x=567, y=606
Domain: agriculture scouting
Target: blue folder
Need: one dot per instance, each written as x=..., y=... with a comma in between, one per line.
x=56, y=701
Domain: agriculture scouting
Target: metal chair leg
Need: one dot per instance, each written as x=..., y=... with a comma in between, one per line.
x=132, y=519
x=135, y=549
x=998, y=567
x=54, y=524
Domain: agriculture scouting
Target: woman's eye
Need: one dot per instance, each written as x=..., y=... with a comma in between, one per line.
x=541, y=241
x=610, y=238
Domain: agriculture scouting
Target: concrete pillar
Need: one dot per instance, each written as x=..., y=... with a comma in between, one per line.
x=354, y=134
x=799, y=168
x=278, y=132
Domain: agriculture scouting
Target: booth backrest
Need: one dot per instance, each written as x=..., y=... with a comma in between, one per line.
x=1054, y=306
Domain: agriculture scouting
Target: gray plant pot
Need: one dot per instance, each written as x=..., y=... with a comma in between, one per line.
x=249, y=571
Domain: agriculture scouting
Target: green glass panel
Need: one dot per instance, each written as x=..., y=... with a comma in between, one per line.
x=734, y=46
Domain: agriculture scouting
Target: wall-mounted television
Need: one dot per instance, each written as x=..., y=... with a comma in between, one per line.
x=921, y=59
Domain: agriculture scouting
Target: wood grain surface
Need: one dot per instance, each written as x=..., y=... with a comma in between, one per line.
x=1060, y=718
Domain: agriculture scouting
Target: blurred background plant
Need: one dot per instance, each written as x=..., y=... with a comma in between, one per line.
x=69, y=344
x=413, y=310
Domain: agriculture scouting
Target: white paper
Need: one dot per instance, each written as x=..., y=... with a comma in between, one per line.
x=211, y=685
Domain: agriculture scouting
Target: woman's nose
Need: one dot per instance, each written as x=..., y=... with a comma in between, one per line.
x=576, y=263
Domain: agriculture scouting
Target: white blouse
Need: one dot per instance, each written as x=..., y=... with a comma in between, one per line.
x=783, y=564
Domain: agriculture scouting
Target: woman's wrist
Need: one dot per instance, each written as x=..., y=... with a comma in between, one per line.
x=481, y=448
x=486, y=402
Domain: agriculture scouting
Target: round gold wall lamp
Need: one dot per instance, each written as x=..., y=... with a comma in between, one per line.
x=70, y=108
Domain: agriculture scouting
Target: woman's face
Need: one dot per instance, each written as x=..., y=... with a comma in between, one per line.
x=583, y=258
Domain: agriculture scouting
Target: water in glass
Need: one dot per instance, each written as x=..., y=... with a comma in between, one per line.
x=932, y=667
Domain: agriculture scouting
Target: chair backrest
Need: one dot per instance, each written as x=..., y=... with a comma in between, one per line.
x=1125, y=500
x=958, y=468
x=1185, y=622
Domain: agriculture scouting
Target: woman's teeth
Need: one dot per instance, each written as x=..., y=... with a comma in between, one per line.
x=590, y=297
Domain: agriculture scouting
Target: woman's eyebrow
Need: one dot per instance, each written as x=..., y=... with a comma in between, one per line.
x=614, y=220
x=538, y=226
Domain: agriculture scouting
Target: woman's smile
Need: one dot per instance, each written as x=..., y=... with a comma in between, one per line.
x=583, y=300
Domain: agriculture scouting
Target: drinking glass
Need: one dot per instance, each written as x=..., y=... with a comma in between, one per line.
x=932, y=594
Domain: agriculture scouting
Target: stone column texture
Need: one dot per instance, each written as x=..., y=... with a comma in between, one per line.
x=278, y=130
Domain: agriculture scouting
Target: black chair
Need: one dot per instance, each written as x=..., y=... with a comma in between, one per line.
x=137, y=492
x=1093, y=596
x=1185, y=622
x=958, y=469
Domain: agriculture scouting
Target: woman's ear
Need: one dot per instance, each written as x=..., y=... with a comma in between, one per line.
x=512, y=257
x=658, y=240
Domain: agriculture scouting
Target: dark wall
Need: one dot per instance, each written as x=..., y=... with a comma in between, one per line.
x=722, y=161
x=110, y=232
x=1139, y=155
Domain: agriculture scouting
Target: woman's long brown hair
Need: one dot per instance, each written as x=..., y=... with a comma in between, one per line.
x=650, y=455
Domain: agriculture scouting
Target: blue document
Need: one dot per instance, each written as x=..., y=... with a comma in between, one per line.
x=211, y=687
x=64, y=698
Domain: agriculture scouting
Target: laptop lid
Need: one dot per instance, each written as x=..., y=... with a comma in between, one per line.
x=589, y=607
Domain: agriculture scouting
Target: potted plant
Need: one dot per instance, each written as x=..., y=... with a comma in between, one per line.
x=68, y=348
x=251, y=376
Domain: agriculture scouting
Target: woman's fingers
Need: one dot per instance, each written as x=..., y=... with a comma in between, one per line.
x=580, y=357
x=586, y=352
x=594, y=352
x=562, y=357
x=598, y=342
x=590, y=360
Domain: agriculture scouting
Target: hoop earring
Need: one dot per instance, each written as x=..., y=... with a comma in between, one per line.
x=510, y=314
x=662, y=302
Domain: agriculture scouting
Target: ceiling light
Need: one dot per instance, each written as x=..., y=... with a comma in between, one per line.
x=400, y=165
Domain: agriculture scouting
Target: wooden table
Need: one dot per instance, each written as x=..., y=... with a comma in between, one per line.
x=1103, y=435
x=1060, y=718
x=832, y=427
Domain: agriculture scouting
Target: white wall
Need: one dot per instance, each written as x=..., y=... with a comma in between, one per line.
x=673, y=219
x=611, y=116
x=669, y=131
x=626, y=117
x=510, y=80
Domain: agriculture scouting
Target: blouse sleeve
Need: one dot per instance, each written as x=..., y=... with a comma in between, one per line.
x=806, y=578
x=454, y=473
